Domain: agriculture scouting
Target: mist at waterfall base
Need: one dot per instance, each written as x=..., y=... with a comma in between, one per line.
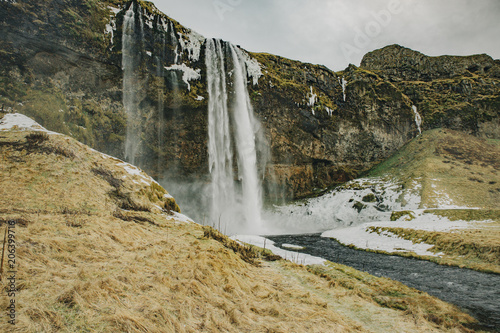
x=357, y=202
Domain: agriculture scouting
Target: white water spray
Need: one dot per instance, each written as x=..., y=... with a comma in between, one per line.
x=418, y=119
x=236, y=210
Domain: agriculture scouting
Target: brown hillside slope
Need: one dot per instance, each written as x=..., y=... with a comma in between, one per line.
x=459, y=179
x=100, y=248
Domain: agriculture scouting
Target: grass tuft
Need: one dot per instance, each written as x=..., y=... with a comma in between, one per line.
x=247, y=253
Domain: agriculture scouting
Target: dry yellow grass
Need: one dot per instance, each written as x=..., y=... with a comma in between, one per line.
x=86, y=264
x=475, y=248
x=451, y=166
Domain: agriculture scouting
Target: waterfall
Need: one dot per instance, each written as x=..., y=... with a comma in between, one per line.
x=174, y=41
x=232, y=125
x=418, y=119
x=130, y=62
x=246, y=128
x=343, y=83
x=160, y=59
x=219, y=139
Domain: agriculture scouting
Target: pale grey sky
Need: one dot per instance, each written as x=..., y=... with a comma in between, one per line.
x=335, y=33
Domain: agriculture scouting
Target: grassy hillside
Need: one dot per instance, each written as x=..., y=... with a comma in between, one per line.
x=461, y=173
x=100, y=247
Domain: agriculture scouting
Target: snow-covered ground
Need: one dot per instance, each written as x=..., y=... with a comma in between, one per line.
x=350, y=213
x=363, y=237
x=359, y=201
x=17, y=121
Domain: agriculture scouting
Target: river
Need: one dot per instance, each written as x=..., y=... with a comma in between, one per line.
x=474, y=292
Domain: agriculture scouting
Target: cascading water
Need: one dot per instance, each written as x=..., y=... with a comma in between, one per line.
x=219, y=138
x=160, y=59
x=343, y=83
x=418, y=119
x=130, y=63
x=246, y=129
x=236, y=210
x=174, y=41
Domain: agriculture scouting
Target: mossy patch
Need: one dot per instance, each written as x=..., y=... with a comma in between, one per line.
x=405, y=214
x=369, y=198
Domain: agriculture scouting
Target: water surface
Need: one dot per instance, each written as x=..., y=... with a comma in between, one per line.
x=474, y=292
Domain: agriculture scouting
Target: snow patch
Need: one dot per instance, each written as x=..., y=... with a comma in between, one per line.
x=296, y=257
x=110, y=29
x=135, y=171
x=104, y=156
x=182, y=218
x=191, y=42
x=364, y=237
x=358, y=201
x=114, y=10
x=17, y=121
x=111, y=26
x=254, y=70
x=189, y=73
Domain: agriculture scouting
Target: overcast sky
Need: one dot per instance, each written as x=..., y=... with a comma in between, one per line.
x=335, y=33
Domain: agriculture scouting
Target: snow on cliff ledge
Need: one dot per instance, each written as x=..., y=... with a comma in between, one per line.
x=17, y=121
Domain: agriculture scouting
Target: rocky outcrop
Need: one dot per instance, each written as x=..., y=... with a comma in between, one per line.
x=61, y=63
x=461, y=93
x=399, y=63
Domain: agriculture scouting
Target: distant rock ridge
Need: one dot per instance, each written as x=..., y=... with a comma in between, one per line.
x=400, y=63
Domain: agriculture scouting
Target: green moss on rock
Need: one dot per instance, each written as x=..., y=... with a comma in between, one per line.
x=407, y=215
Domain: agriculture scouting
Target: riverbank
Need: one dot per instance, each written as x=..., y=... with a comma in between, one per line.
x=470, y=290
x=436, y=199
x=431, y=235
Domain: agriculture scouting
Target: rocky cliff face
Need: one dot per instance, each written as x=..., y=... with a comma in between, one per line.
x=61, y=62
x=461, y=93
